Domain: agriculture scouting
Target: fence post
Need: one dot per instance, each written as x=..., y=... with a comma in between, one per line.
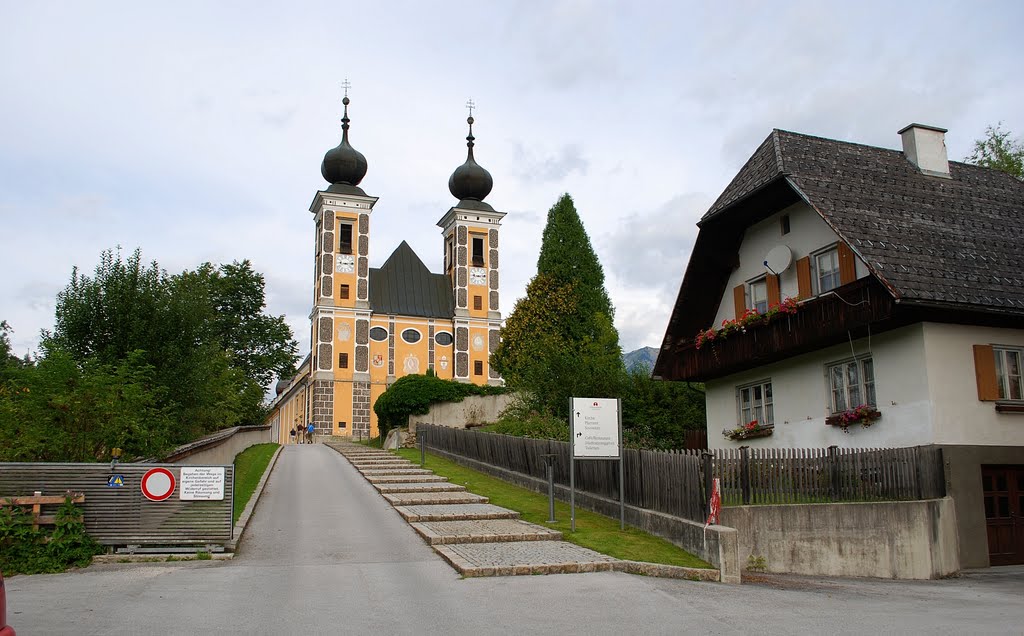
x=833, y=467
x=709, y=479
x=745, y=474
x=422, y=434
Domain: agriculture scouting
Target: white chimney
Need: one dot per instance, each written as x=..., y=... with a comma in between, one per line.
x=925, y=147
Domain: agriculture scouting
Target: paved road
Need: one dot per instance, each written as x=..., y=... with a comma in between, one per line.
x=324, y=554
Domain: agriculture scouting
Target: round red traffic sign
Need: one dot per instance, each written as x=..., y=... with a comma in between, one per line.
x=157, y=484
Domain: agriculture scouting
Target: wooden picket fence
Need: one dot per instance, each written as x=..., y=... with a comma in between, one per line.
x=674, y=482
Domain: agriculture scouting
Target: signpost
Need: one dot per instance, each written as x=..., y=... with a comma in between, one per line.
x=595, y=430
x=157, y=484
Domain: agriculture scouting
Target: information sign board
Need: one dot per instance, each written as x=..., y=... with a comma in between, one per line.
x=595, y=428
x=201, y=483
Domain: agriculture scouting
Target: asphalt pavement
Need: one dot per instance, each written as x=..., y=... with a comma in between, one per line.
x=325, y=554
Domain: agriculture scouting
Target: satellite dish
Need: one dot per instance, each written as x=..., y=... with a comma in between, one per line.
x=779, y=259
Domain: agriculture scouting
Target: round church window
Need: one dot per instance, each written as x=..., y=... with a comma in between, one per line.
x=411, y=336
x=443, y=338
x=378, y=334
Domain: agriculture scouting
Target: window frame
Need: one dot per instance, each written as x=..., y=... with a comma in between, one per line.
x=386, y=333
x=1002, y=353
x=343, y=247
x=765, y=413
x=816, y=274
x=865, y=365
x=477, y=260
x=450, y=335
x=419, y=335
x=761, y=282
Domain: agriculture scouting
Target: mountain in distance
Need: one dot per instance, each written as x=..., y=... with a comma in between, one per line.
x=641, y=360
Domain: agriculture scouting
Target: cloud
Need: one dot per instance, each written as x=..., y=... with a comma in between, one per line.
x=540, y=167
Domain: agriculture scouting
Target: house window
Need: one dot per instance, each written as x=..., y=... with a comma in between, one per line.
x=851, y=384
x=784, y=224
x=344, y=238
x=826, y=266
x=344, y=292
x=478, y=367
x=1008, y=373
x=342, y=360
x=754, y=402
x=342, y=425
x=478, y=251
x=478, y=303
x=759, y=295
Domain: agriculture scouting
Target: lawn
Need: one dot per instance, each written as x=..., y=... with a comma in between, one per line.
x=594, y=531
x=250, y=465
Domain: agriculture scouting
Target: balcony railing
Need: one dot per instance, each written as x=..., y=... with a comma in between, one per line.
x=833, y=317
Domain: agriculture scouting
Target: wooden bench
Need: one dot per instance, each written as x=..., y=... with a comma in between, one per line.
x=38, y=501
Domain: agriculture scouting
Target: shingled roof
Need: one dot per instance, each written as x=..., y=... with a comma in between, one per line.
x=956, y=241
x=404, y=286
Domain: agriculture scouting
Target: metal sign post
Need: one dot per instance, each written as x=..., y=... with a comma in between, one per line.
x=595, y=430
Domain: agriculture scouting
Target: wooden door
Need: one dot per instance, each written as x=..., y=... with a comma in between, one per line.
x=1004, y=513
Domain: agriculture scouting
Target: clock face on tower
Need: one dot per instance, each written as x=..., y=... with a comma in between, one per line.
x=477, y=276
x=346, y=264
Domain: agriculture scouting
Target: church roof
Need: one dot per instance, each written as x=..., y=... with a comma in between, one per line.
x=404, y=286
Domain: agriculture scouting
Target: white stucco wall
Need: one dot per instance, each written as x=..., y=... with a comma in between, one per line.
x=959, y=416
x=808, y=233
x=801, y=397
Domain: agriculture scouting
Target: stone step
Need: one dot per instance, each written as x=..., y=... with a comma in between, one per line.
x=523, y=557
x=431, y=498
x=455, y=512
x=404, y=479
x=483, y=531
x=395, y=471
x=382, y=461
x=419, y=487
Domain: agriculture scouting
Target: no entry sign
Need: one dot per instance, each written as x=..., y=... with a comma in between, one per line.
x=157, y=484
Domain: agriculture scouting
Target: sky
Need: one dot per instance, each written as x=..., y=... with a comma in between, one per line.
x=194, y=131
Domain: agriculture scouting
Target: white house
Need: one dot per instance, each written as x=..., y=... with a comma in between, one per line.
x=905, y=274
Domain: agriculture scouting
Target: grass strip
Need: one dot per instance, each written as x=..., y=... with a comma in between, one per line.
x=250, y=465
x=594, y=531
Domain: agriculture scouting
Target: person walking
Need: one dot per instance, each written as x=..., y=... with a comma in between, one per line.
x=309, y=433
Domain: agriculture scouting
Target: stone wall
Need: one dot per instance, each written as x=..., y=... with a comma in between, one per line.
x=221, y=447
x=475, y=409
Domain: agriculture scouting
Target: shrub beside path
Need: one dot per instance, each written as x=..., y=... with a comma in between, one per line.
x=478, y=538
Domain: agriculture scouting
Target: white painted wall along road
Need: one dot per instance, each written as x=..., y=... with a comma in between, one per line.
x=325, y=554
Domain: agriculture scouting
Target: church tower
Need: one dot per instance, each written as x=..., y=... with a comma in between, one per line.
x=340, y=320
x=470, y=231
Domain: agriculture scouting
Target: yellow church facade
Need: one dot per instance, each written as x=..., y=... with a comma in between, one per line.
x=371, y=326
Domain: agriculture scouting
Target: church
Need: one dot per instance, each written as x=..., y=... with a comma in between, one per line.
x=370, y=326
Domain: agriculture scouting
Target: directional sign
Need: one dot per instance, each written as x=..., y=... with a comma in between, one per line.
x=595, y=428
x=157, y=484
x=115, y=481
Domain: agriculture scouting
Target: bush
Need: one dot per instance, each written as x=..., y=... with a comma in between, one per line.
x=28, y=550
x=413, y=395
x=521, y=423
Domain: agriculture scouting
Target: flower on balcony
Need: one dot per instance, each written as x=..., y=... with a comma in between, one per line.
x=865, y=414
x=750, y=318
x=753, y=428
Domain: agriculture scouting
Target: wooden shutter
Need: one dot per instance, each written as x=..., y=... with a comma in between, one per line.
x=847, y=264
x=771, y=283
x=803, y=277
x=739, y=299
x=985, y=373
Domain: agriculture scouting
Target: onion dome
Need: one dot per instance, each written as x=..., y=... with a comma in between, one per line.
x=470, y=181
x=344, y=165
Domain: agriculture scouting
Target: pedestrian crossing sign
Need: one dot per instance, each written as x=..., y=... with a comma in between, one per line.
x=115, y=481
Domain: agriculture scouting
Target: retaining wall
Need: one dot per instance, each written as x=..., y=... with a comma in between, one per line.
x=220, y=447
x=897, y=540
x=474, y=409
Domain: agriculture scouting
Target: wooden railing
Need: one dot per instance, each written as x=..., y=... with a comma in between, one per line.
x=675, y=482
x=38, y=501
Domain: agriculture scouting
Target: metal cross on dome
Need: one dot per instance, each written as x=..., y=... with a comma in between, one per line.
x=470, y=104
x=346, y=85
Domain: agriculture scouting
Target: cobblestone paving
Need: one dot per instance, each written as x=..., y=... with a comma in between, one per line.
x=455, y=512
x=483, y=531
x=523, y=557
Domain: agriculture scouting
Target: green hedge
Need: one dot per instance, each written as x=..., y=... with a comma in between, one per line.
x=413, y=395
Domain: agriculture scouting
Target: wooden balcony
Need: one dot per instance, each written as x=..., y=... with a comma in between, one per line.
x=849, y=311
